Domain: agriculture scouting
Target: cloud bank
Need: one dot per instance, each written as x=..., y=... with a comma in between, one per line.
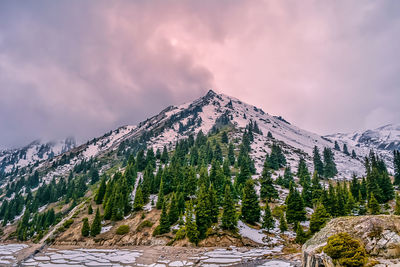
x=84, y=67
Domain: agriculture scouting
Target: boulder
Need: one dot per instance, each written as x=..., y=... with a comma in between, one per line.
x=380, y=235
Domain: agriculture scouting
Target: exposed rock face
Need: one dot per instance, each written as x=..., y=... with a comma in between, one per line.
x=379, y=234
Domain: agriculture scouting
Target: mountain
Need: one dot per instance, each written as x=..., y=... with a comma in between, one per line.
x=384, y=140
x=205, y=114
x=37, y=151
x=203, y=150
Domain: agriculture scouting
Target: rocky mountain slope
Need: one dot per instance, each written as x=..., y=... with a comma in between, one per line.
x=384, y=139
x=13, y=159
x=378, y=234
x=203, y=114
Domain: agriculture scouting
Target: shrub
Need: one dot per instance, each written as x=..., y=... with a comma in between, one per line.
x=345, y=250
x=144, y=224
x=156, y=231
x=122, y=230
x=277, y=212
x=68, y=223
x=180, y=234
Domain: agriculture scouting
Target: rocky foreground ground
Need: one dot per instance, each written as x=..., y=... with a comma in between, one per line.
x=146, y=256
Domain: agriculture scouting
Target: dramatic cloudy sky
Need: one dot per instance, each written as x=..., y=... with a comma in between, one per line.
x=84, y=67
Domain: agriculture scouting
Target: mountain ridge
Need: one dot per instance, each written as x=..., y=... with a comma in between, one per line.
x=213, y=110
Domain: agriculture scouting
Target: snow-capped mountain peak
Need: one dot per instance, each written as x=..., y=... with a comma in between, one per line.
x=34, y=152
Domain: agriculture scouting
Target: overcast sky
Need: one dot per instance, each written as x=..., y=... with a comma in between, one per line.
x=81, y=68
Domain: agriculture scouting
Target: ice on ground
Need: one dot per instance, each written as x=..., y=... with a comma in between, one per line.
x=276, y=263
x=105, y=229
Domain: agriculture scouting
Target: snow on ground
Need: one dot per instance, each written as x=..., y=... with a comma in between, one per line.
x=8, y=253
x=149, y=206
x=105, y=229
x=85, y=257
x=276, y=263
x=257, y=235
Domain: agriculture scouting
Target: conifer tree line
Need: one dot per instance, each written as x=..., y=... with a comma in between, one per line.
x=199, y=183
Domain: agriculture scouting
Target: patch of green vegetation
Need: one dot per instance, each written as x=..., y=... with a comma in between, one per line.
x=122, y=230
x=145, y=223
x=345, y=250
x=68, y=223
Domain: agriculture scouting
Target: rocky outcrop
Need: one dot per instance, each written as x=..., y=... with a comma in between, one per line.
x=380, y=236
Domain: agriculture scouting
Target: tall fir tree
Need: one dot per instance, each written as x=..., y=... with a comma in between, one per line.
x=213, y=204
x=345, y=150
x=101, y=191
x=268, y=221
x=295, y=211
x=318, y=164
x=282, y=223
x=85, y=231
x=173, y=213
x=373, y=205
x=229, y=217
x=267, y=191
x=190, y=225
x=138, y=203
x=396, y=165
x=319, y=218
x=397, y=205
x=95, y=229
x=231, y=154
x=203, y=220
x=316, y=188
x=330, y=170
x=250, y=205
x=160, y=199
x=164, y=226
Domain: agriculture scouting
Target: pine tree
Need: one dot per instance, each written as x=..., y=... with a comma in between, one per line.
x=160, y=199
x=397, y=206
x=231, y=154
x=224, y=137
x=164, y=156
x=90, y=209
x=96, y=224
x=287, y=177
x=85, y=227
x=229, y=218
x=318, y=164
x=138, y=203
x=301, y=236
x=282, y=223
x=244, y=174
x=173, y=213
x=345, y=150
x=396, y=165
x=353, y=154
x=373, y=205
x=213, y=204
x=267, y=191
x=337, y=147
x=330, y=170
x=250, y=205
x=164, y=226
x=302, y=171
x=268, y=221
x=190, y=226
x=350, y=204
x=203, y=220
x=316, y=188
x=101, y=192
x=295, y=211
x=319, y=218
